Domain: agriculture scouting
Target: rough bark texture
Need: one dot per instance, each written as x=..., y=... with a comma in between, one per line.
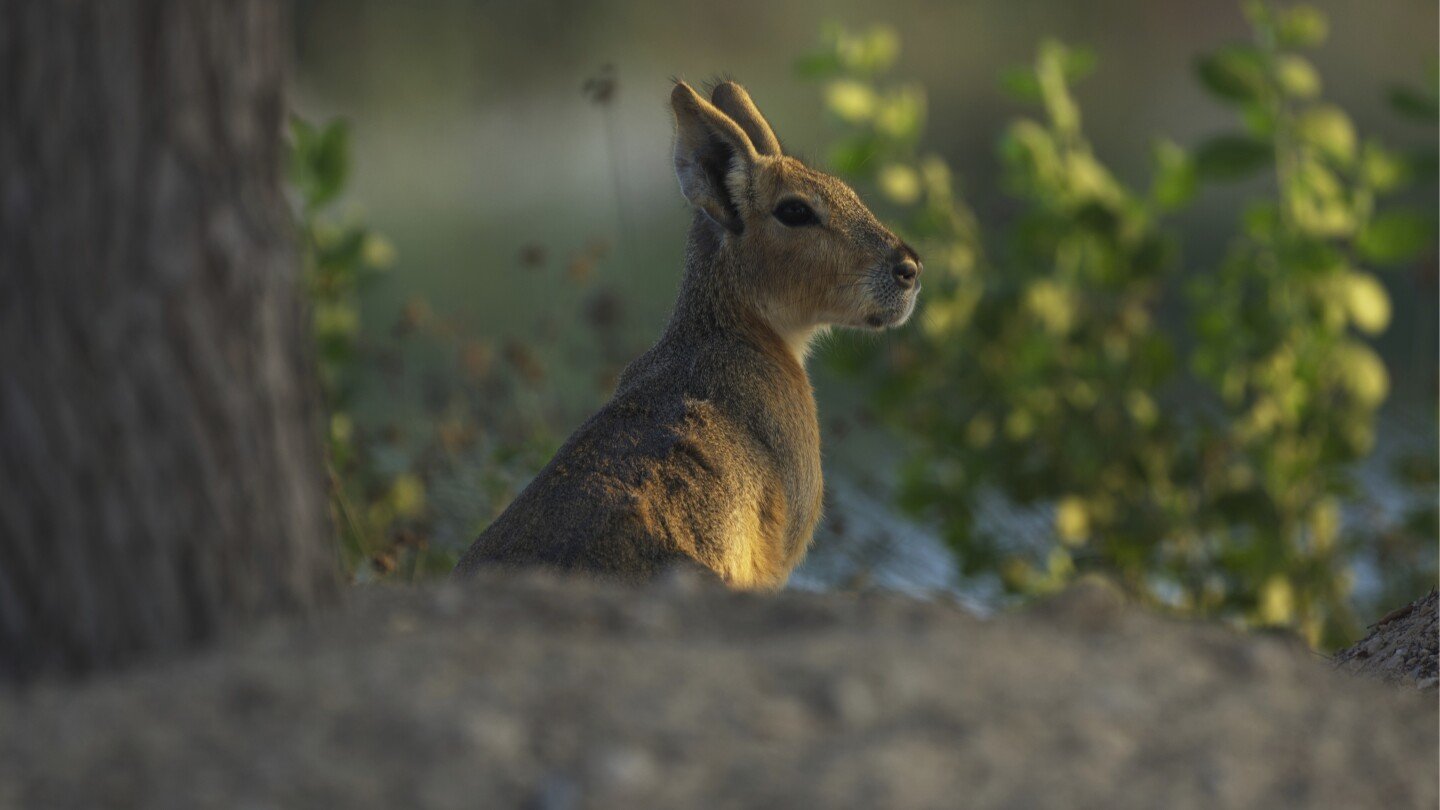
x=160, y=474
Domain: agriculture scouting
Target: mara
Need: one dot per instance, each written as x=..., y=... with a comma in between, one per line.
x=709, y=450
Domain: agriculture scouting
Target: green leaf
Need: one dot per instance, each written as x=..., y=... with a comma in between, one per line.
x=320, y=161
x=1259, y=120
x=1232, y=157
x=1031, y=156
x=1079, y=62
x=1328, y=128
x=1051, y=72
x=1297, y=77
x=332, y=157
x=1175, y=176
x=1020, y=84
x=1261, y=220
x=1383, y=170
x=1317, y=201
x=302, y=139
x=871, y=52
x=1366, y=302
x=852, y=101
x=1259, y=14
x=1414, y=104
x=901, y=113
x=303, y=132
x=1235, y=73
x=819, y=65
x=1396, y=236
x=1302, y=26
x=899, y=183
x=1423, y=163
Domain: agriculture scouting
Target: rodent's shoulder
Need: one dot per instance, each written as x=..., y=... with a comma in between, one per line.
x=708, y=364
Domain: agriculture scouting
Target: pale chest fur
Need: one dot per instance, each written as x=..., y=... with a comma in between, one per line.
x=782, y=500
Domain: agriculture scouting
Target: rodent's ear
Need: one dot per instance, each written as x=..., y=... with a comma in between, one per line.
x=732, y=100
x=713, y=157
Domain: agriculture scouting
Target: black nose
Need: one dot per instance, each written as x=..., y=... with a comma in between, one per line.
x=906, y=273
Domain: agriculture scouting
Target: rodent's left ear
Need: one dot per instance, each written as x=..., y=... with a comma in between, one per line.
x=732, y=100
x=713, y=157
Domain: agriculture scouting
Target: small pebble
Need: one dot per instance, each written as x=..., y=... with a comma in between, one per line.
x=627, y=769
x=852, y=702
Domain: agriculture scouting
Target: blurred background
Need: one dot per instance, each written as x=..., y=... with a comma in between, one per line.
x=495, y=230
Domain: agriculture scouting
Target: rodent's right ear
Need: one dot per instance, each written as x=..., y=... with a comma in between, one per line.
x=713, y=157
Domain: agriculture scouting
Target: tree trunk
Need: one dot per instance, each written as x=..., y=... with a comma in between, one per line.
x=160, y=468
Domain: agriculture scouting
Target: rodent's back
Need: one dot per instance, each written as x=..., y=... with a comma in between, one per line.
x=670, y=471
x=583, y=510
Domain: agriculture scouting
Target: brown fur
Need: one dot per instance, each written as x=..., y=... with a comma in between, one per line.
x=709, y=450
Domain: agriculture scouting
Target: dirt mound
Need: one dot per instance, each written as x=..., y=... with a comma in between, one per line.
x=535, y=691
x=1403, y=646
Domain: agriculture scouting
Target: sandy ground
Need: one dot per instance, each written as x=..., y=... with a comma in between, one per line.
x=538, y=692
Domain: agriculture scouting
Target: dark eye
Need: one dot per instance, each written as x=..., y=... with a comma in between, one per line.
x=795, y=213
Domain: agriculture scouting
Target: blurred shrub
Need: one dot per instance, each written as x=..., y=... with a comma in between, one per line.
x=430, y=431
x=1048, y=372
x=375, y=510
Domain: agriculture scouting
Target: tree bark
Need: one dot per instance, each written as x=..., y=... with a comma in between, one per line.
x=160, y=466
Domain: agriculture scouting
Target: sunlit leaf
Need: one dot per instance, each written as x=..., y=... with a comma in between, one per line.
x=377, y=251
x=1052, y=305
x=407, y=495
x=1362, y=373
x=1297, y=77
x=1277, y=602
x=1030, y=153
x=342, y=428
x=1142, y=408
x=1317, y=201
x=1328, y=128
x=899, y=183
x=1366, y=302
x=1301, y=26
x=336, y=320
x=852, y=101
x=1050, y=71
x=1090, y=180
x=901, y=114
x=1382, y=169
x=870, y=52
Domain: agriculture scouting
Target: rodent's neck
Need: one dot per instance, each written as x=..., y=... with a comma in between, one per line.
x=714, y=304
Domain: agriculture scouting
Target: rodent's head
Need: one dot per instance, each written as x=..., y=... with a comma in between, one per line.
x=808, y=249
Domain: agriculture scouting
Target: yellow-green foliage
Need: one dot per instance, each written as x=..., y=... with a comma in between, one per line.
x=1208, y=482
x=371, y=509
x=430, y=430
